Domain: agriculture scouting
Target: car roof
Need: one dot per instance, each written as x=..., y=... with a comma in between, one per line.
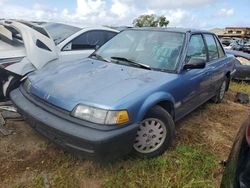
x=172, y=29
x=80, y=29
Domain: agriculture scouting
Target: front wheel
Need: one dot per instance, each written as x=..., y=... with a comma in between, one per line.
x=155, y=133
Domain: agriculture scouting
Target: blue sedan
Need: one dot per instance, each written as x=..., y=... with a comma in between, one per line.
x=127, y=96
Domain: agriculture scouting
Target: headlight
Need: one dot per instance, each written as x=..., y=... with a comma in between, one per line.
x=100, y=116
x=27, y=85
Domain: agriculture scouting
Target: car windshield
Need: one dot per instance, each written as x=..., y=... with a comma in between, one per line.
x=152, y=49
x=59, y=32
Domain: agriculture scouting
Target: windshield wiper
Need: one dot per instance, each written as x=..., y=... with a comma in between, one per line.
x=132, y=62
x=99, y=57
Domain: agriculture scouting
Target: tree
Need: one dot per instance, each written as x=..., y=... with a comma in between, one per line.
x=151, y=20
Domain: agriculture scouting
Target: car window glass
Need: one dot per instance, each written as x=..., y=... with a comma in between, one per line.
x=156, y=49
x=220, y=50
x=88, y=40
x=196, y=48
x=109, y=35
x=59, y=32
x=212, y=48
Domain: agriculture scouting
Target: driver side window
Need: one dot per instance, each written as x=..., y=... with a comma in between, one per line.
x=196, y=48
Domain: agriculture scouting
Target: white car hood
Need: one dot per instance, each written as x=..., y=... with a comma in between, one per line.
x=35, y=55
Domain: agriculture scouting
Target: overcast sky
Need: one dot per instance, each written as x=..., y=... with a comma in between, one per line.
x=205, y=14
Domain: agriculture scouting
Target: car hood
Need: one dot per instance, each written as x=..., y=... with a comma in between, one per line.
x=93, y=82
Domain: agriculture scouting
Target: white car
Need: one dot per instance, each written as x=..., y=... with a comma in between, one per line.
x=29, y=46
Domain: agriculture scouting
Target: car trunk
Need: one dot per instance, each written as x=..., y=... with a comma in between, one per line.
x=16, y=49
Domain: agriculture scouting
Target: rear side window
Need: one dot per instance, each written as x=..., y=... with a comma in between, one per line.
x=88, y=40
x=212, y=47
x=196, y=48
x=220, y=50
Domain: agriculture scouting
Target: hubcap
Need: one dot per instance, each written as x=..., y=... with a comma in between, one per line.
x=222, y=90
x=150, y=135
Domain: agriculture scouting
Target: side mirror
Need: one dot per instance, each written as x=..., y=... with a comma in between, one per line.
x=195, y=63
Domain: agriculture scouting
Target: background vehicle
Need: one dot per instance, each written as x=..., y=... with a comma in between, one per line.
x=127, y=95
x=75, y=43
x=226, y=41
x=27, y=46
x=234, y=45
x=237, y=169
x=246, y=47
x=242, y=65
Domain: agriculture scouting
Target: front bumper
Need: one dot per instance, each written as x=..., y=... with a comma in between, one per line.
x=90, y=143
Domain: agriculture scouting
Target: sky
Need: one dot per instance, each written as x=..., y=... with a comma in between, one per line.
x=204, y=14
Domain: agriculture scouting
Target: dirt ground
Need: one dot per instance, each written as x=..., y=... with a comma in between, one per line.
x=29, y=160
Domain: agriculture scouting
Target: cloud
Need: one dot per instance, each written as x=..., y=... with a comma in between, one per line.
x=120, y=9
x=180, y=18
x=2, y=2
x=86, y=7
x=169, y=4
x=100, y=12
x=225, y=12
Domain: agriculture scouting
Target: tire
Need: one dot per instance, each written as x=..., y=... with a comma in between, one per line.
x=218, y=98
x=157, y=126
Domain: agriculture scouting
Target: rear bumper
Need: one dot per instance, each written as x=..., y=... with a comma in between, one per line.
x=242, y=74
x=90, y=143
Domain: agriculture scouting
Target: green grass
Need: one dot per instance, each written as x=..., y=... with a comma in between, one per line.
x=240, y=87
x=38, y=182
x=186, y=166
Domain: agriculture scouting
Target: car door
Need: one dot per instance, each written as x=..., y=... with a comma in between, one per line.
x=195, y=83
x=215, y=64
x=85, y=44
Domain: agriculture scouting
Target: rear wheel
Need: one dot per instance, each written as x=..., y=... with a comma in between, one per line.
x=221, y=92
x=155, y=133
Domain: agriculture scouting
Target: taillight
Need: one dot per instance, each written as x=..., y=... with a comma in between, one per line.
x=248, y=135
x=10, y=61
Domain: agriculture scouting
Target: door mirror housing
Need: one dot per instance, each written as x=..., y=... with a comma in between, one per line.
x=195, y=63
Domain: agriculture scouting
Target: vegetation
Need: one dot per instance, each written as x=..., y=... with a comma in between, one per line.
x=151, y=20
x=240, y=86
x=186, y=166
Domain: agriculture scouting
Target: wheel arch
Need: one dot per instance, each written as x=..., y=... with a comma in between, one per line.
x=168, y=106
x=228, y=76
x=163, y=99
